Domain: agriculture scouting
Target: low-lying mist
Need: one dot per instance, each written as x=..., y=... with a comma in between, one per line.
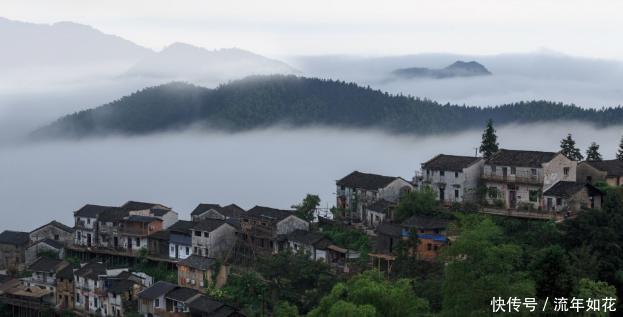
x=274, y=167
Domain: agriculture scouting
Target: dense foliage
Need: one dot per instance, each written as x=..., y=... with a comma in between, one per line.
x=262, y=101
x=568, y=148
x=419, y=202
x=489, y=144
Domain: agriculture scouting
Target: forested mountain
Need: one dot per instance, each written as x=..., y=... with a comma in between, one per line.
x=263, y=101
x=456, y=69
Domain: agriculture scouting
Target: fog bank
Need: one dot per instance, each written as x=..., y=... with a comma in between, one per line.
x=274, y=167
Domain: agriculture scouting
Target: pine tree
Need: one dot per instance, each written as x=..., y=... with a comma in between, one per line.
x=489, y=144
x=620, y=151
x=567, y=146
x=592, y=154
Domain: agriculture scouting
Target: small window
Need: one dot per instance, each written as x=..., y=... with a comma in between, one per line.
x=138, y=242
x=533, y=171
x=206, y=234
x=56, y=237
x=187, y=250
x=427, y=172
x=442, y=173
x=197, y=233
x=157, y=302
x=534, y=195
x=456, y=174
x=493, y=192
x=195, y=250
x=456, y=193
x=558, y=201
x=172, y=249
x=89, y=220
x=513, y=170
x=493, y=168
x=566, y=171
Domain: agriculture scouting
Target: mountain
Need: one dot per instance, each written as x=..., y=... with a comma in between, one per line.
x=456, y=69
x=181, y=61
x=264, y=101
x=62, y=44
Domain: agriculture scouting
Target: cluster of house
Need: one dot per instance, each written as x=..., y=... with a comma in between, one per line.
x=196, y=247
x=532, y=181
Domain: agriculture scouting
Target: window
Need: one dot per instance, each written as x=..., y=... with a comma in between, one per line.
x=589, y=179
x=558, y=201
x=197, y=233
x=565, y=171
x=493, y=169
x=187, y=250
x=56, y=237
x=533, y=171
x=513, y=170
x=442, y=173
x=157, y=302
x=172, y=249
x=493, y=192
x=206, y=234
x=195, y=250
x=427, y=172
x=138, y=242
x=456, y=193
x=456, y=174
x=534, y=195
x=89, y=220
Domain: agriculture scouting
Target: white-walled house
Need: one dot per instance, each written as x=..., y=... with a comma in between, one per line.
x=454, y=178
x=86, y=227
x=357, y=190
x=313, y=243
x=212, y=238
x=180, y=239
x=517, y=179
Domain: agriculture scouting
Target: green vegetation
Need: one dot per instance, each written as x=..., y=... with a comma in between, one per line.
x=489, y=144
x=249, y=291
x=592, y=153
x=419, y=202
x=262, y=101
x=305, y=210
x=568, y=148
x=620, y=151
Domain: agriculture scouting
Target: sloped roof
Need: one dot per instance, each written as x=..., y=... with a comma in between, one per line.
x=268, y=214
x=229, y=211
x=16, y=238
x=160, y=235
x=367, y=181
x=67, y=272
x=611, y=167
x=208, y=224
x=568, y=189
x=201, y=208
x=118, y=285
x=381, y=206
x=205, y=304
x=424, y=222
x=521, y=158
x=147, y=219
x=181, y=226
x=156, y=290
x=306, y=237
x=113, y=214
x=182, y=294
x=198, y=262
x=53, y=243
x=455, y=163
x=389, y=229
x=91, y=211
x=139, y=205
x=45, y=264
x=56, y=224
x=91, y=270
x=232, y=211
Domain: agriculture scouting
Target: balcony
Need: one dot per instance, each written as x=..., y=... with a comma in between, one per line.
x=523, y=178
x=41, y=280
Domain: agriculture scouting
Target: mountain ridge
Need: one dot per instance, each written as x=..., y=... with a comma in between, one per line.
x=457, y=69
x=264, y=101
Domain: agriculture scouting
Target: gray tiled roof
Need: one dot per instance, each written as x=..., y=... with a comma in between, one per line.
x=208, y=224
x=367, y=181
x=305, y=237
x=611, y=167
x=57, y=225
x=45, y=264
x=568, y=189
x=268, y=214
x=182, y=294
x=521, y=158
x=91, y=270
x=139, y=205
x=381, y=206
x=198, y=262
x=158, y=289
x=389, y=229
x=455, y=163
x=16, y=238
x=91, y=211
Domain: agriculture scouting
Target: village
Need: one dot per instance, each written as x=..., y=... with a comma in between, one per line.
x=100, y=264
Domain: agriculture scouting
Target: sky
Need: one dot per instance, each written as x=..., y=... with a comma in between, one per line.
x=391, y=27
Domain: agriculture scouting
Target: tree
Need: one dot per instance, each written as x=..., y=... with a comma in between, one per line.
x=249, y=291
x=567, y=147
x=368, y=294
x=285, y=309
x=419, y=202
x=481, y=266
x=620, y=151
x=553, y=273
x=596, y=290
x=592, y=153
x=305, y=210
x=489, y=144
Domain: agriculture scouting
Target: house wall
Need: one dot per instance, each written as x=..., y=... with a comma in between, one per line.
x=554, y=171
x=53, y=233
x=457, y=186
x=192, y=278
x=209, y=214
x=290, y=224
x=12, y=257
x=614, y=180
x=393, y=190
x=580, y=200
x=32, y=253
x=588, y=174
x=217, y=243
x=65, y=293
x=373, y=218
x=169, y=219
x=183, y=250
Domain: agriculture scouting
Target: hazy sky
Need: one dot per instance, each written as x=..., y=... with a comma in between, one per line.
x=285, y=27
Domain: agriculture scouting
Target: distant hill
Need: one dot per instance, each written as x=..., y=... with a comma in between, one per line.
x=181, y=61
x=457, y=69
x=264, y=101
x=63, y=43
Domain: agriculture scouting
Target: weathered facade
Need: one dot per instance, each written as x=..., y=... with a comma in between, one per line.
x=312, y=243
x=379, y=211
x=86, y=227
x=358, y=190
x=607, y=171
x=517, y=179
x=215, y=211
x=13, y=246
x=195, y=272
x=53, y=230
x=180, y=240
x=263, y=228
x=162, y=212
x=453, y=178
x=41, y=247
x=572, y=197
x=212, y=238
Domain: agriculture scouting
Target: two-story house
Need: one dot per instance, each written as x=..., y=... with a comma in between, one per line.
x=431, y=234
x=119, y=293
x=215, y=211
x=195, y=272
x=135, y=231
x=151, y=301
x=88, y=280
x=46, y=247
x=181, y=240
x=313, y=243
x=263, y=228
x=454, y=178
x=162, y=212
x=572, y=197
x=86, y=228
x=212, y=237
x=65, y=291
x=109, y=223
x=516, y=179
x=606, y=171
x=43, y=275
x=13, y=246
x=358, y=190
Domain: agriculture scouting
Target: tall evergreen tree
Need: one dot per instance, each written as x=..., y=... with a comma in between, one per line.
x=489, y=143
x=592, y=154
x=567, y=146
x=620, y=151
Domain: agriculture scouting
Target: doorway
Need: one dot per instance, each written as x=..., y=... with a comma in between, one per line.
x=512, y=199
